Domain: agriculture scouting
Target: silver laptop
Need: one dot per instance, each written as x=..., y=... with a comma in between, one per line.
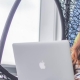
x=43, y=61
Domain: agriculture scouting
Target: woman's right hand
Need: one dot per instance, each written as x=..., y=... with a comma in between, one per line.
x=76, y=77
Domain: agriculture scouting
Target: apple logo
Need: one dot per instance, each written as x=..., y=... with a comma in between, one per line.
x=42, y=65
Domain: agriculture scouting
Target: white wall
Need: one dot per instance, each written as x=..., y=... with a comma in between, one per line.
x=24, y=26
x=59, y=28
x=50, y=25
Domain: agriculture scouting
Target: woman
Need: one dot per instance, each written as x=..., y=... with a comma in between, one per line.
x=75, y=50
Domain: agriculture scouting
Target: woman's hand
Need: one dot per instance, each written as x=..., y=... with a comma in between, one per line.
x=76, y=77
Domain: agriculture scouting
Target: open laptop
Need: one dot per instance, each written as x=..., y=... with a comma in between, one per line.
x=43, y=60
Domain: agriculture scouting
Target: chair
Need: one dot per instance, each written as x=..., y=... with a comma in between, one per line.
x=70, y=17
x=66, y=10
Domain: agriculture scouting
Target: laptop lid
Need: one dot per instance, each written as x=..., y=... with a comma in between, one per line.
x=43, y=60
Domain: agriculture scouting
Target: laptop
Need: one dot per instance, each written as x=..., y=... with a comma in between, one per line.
x=43, y=60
